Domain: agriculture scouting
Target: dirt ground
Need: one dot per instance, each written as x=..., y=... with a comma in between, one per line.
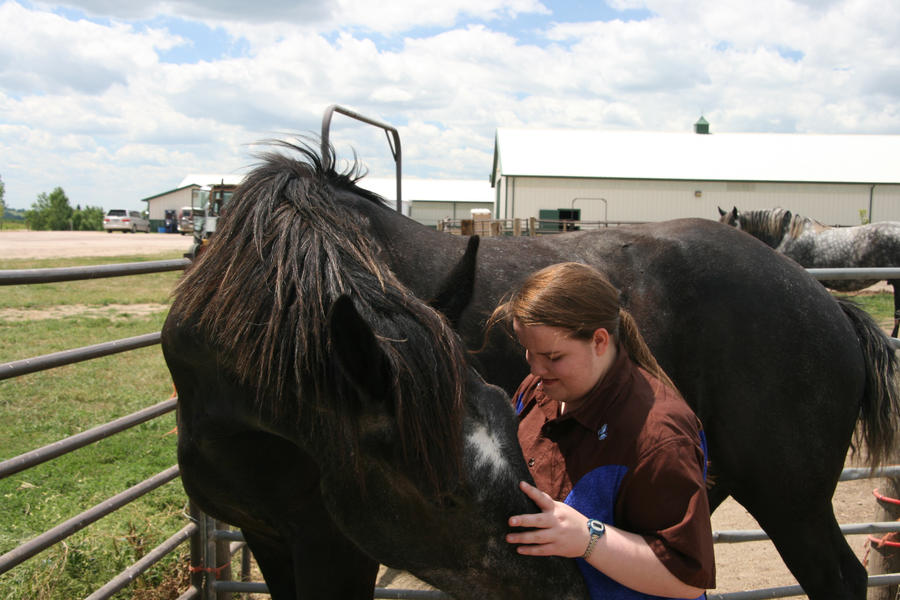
x=54, y=244
x=742, y=566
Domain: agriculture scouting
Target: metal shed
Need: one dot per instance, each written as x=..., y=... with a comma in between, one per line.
x=431, y=200
x=180, y=196
x=647, y=176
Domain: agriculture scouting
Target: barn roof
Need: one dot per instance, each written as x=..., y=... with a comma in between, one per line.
x=203, y=179
x=689, y=156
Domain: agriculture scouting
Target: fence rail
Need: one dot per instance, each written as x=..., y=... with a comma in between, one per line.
x=207, y=537
x=30, y=459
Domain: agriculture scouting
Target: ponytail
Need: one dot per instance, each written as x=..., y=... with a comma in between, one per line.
x=633, y=342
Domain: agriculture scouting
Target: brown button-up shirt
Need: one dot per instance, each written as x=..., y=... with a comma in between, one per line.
x=632, y=456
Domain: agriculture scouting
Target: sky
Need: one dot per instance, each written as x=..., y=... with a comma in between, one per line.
x=118, y=100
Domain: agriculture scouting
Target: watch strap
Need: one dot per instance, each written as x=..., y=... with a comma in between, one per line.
x=597, y=529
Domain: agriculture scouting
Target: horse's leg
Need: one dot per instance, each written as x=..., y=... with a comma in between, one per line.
x=815, y=550
x=274, y=558
x=717, y=490
x=318, y=562
x=895, y=283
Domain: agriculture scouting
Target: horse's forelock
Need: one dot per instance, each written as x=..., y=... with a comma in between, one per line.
x=259, y=293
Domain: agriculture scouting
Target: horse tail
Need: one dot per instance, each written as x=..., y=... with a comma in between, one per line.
x=879, y=410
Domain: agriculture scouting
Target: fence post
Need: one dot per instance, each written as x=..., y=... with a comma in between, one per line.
x=209, y=558
x=885, y=558
x=517, y=227
x=532, y=226
x=196, y=545
x=223, y=560
x=245, y=566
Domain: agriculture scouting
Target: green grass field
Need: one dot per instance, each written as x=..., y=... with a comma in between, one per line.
x=41, y=408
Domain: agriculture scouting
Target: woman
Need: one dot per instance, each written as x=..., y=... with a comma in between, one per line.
x=617, y=455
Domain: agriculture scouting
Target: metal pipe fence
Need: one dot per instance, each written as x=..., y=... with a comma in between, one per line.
x=17, y=464
x=212, y=544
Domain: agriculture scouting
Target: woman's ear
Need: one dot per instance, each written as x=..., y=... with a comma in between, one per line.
x=601, y=340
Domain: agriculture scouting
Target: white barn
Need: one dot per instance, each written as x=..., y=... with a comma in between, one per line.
x=643, y=176
x=430, y=200
x=180, y=196
x=425, y=200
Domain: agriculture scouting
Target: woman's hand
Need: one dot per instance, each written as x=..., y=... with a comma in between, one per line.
x=559, y=529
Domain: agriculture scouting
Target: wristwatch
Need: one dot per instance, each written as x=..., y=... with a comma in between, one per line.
x=597, y=530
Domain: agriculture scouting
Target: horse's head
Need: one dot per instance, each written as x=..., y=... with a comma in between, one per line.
x=450, y=530
x=769, y=226
x=730, y=217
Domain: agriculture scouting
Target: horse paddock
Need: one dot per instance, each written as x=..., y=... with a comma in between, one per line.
x=745, y=566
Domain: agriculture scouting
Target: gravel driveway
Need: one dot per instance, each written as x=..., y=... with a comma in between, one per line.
x=53, y=244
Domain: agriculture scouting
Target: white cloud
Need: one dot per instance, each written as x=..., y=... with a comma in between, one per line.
x=43, y=52
x=91, y=106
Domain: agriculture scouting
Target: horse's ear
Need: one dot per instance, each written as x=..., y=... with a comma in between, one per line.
x=455, y=292
x=357, y=350
x=721, y=212
x=786, y=221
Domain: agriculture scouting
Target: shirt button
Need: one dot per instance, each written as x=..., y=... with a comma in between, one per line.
x=530, y=462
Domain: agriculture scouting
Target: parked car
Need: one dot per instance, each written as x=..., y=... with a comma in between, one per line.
x=118, y=219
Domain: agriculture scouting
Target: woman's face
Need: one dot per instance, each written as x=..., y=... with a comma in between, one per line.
x=569, y=368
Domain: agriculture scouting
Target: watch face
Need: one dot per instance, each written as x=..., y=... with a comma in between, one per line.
x=596, y=527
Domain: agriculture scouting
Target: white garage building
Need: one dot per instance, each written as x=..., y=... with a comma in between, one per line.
x=641, y=176
x=425, y=200
x=180, y=196
x=431, y=200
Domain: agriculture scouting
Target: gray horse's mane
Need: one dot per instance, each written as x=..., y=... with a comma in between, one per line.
x=260, y=293
x=773, y=226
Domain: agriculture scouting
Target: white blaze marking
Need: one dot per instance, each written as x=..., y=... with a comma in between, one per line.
x=487, y=450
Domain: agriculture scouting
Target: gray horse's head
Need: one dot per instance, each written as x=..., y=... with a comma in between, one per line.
x=769, y=226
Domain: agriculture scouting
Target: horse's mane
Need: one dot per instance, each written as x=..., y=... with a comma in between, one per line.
x=772, y=226
x=260, y=293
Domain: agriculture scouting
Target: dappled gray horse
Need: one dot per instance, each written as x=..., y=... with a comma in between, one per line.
x=818, y=246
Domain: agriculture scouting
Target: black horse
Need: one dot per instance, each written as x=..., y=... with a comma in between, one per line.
x=778, y=371
x=331, y=414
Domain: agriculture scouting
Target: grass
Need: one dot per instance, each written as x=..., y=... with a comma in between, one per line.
x=879, y=305
x=41, y=408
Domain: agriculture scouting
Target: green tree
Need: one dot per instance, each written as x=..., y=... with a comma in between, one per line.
x=89, y=218
x=50, y=212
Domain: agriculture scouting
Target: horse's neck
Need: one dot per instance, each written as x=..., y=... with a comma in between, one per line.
x=762, y=225
x=805, y=225
x=413, y=250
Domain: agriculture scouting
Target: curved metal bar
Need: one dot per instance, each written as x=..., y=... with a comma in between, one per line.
x=40, y=543
x=126, y=577
x=856, y=273
x=22, y=276
x=393, y=138
x=795, y=590
x=854, y=473
x=79, y=440
x=67, y=357
x=737, y=536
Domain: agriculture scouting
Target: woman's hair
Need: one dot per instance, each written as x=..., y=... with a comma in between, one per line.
x=579, y=299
